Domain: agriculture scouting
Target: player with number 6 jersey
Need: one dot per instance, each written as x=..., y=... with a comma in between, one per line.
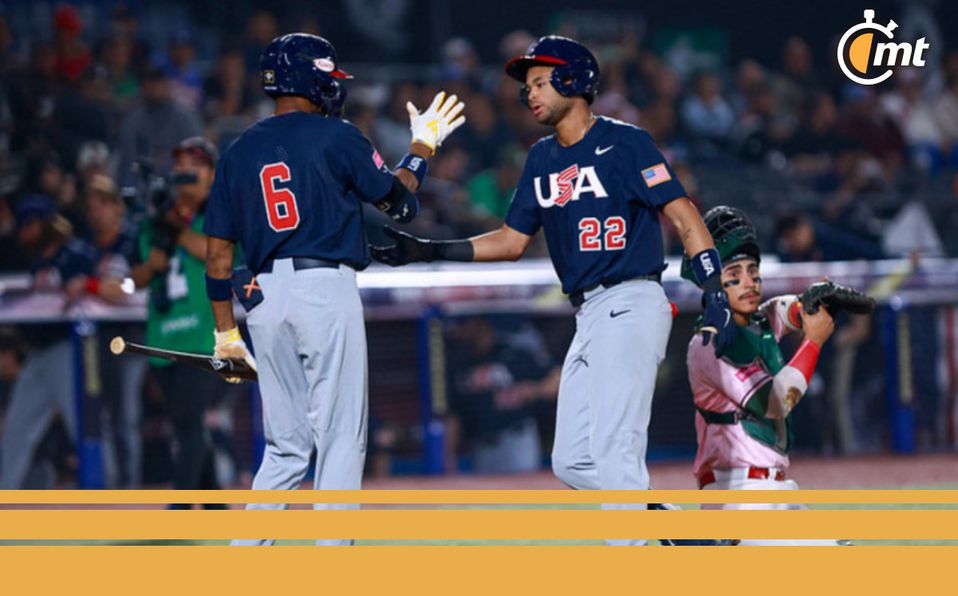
x=289, y=190
x=596, y=187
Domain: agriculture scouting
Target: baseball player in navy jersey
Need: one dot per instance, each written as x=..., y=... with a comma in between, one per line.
x=289, y=191
x=596, y=187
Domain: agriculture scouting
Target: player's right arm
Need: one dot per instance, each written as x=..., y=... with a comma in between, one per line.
x=508, y=243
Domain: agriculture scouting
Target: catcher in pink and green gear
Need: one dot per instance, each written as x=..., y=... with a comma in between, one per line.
x=744, y=398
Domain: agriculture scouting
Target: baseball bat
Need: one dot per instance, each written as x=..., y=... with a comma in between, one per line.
x=227, y=367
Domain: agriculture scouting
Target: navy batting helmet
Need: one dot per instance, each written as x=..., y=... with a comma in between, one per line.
x=733, y=234
x=305, y=65
x=576, y=69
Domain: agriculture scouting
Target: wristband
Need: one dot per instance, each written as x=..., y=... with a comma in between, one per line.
x=706, y=264
x=805, y=359
x=218, y=290
x=415, y=164
x=93, y=285
x=227, y=337
x=454, y=250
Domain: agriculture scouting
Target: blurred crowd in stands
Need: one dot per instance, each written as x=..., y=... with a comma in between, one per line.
x=77, y=107
x=824, y=166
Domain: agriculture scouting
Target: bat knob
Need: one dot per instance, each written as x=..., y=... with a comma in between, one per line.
x=117, y=345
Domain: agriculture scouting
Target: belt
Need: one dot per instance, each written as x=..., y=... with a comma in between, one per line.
x=301, y=263
x=578, y=297
x=708, y=476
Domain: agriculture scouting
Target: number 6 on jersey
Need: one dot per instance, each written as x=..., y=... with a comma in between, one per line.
x=591, y=237
x=281, y=210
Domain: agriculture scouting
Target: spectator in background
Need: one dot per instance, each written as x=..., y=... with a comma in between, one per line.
x=801, y=239
x=179, y=64
x=116, y=61
x=946, y=115
x=750, y=77
x=460, y=62
x=114, y=237
x=154, y=127
x=866, y=123
x=225, y=91
x=491, y=190
x=495, y=385
x=73, y=57
x=391, y=130
x=46, y=176
x=32, y=95
x=261, y=28
x=44, y=388
x=12, y=354
x=797, y=80
x=93, y=159
x=915, y=117
x=815, y=143
x=124, y=27
x=706, y=115
x=483, y=135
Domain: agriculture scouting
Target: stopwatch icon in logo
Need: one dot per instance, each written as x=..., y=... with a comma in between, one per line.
x=861, y=56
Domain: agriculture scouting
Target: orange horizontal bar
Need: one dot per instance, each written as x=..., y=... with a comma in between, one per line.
x=477, y=497
x=480, y=570
x=477, y=524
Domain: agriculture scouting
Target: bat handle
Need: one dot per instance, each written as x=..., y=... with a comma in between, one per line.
x=117, y=345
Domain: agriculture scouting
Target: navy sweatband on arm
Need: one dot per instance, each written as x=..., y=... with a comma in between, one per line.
x=706, y=264
x=415, y=164
x=218, y=290
x=399, y=203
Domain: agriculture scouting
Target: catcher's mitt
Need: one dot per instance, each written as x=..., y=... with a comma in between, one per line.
x=835, y=298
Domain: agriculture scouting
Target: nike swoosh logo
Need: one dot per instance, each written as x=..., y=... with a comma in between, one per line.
x=600, y=150
x=614, y=314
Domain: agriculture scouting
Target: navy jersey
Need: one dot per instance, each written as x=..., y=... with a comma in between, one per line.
x=598, y=202
x=291, y=186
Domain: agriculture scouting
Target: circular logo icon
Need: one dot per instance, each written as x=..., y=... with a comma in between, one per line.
x=856, y=50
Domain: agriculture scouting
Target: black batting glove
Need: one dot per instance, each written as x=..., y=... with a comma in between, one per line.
x=407, y=249
x=717, y=320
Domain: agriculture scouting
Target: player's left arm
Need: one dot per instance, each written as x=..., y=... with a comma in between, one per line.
x=219, y=270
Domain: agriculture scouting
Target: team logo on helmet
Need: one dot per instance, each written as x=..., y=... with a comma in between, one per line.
x=269, y=77
x=325, y=64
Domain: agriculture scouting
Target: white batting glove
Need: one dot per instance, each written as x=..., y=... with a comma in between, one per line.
x=434, y=125
x=230, y=345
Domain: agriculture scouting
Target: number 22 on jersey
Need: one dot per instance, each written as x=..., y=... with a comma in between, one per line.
x=281, y=210
x=596, y=235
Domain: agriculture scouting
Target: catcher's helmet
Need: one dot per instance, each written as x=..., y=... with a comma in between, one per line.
x=576, y=69
x=733, y=234
x=305, y=65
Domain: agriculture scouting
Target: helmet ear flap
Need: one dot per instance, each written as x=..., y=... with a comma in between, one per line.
x=330, y=96
x=575, y=78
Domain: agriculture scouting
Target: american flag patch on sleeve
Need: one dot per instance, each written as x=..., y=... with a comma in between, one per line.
x=378, y=160
x=657, y=174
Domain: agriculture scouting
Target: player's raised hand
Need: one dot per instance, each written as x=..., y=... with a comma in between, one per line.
x=437, y=122
x=230, y=346
x=407, y=249
x=717, y=320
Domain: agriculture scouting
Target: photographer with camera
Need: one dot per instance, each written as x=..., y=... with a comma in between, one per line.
x=172, y=248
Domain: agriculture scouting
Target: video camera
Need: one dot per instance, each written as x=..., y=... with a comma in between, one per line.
x=153, y=196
